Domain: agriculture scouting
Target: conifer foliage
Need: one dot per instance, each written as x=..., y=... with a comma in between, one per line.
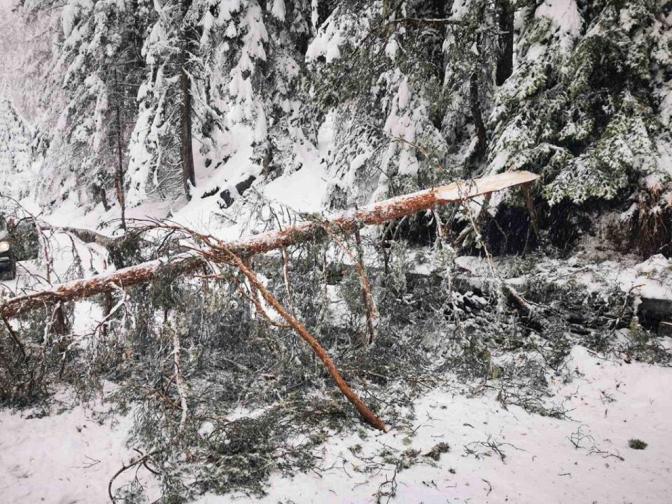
x=194, y=98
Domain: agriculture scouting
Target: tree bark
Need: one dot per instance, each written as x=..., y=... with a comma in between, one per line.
x=475, y=103
x=119, y=176
x=505, y=14
x=186, y=148
x=348, y=222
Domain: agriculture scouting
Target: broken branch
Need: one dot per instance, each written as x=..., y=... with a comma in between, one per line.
x=369, y=416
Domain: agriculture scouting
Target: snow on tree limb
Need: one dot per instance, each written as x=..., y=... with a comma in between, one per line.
x=377, y=213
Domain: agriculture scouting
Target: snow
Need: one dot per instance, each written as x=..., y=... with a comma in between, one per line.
x=303, y=190
x=278, y=9
x=564, y=13
x=664, y=158
x=650, y=279
x=609, y=403
x=404, y=94
x=460, y=9
x=535, y=52
x=70, y=457
x=325, y=134
x=334, y=33
x=71, y=12
x=391, y=48
x=401, y=124
x=67, y=457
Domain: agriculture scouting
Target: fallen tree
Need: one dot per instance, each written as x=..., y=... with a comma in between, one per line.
x=206, y=250
x=347, y=222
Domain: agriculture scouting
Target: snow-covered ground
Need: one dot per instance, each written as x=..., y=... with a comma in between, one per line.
x=497, y=454
x=65, y=458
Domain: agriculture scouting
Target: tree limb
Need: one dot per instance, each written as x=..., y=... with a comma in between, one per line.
x=369, y=416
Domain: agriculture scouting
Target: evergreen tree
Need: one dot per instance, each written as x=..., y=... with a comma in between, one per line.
x=95, y=76
x=162, y=159
x=16, y=139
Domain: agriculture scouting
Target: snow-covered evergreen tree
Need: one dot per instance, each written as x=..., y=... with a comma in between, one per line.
x=161, y=159
x=89, y=98
x=374, y=98
x=16, y=153
x=584, y=105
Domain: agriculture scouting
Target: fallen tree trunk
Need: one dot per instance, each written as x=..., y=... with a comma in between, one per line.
x=377, y=213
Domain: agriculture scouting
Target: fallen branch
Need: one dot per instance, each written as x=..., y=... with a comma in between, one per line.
x=348, y=222
x=369, y=416
x=85, y=235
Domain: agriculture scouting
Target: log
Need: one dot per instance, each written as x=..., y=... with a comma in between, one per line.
x=348, y=222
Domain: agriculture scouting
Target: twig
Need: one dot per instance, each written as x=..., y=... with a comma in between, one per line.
x=392, y=483
x=489, y=486
x=125, y=467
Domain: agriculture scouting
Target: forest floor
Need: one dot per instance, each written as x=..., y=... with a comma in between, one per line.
x=572, y=407
x=465, y=445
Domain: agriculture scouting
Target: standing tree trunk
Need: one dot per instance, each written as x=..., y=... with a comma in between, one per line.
x=505, y=13
x=475, y=104
x=186, y=149
x=119, y=175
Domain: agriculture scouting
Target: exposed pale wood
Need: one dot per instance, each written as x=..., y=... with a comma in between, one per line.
x=377, y=213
